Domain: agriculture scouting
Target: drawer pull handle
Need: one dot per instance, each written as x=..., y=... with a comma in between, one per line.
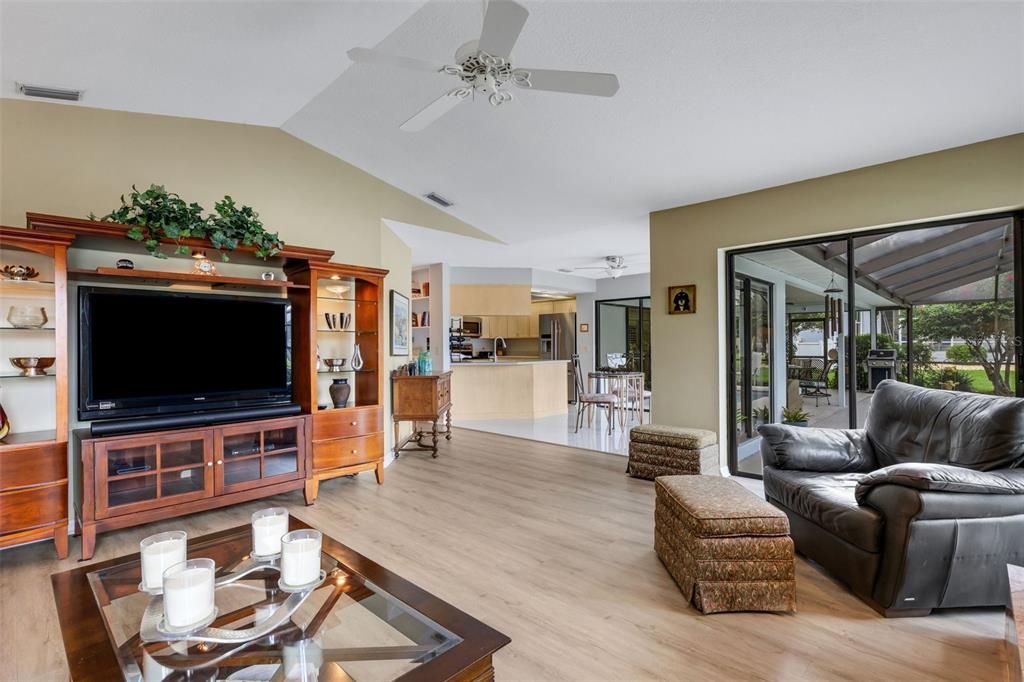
x=220, y=461
x=209, y=464
x=355, y=423
x=354, y=451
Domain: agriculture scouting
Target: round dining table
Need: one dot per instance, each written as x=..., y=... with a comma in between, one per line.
x=628, y=386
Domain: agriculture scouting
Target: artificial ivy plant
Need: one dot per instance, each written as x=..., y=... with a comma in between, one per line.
x=156, y=214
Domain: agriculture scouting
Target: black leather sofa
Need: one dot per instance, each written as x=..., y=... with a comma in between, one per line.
x=921, y=509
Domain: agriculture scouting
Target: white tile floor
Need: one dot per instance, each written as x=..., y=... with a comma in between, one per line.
x=559, y=430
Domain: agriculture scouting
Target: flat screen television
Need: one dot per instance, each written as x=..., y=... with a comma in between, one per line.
x=146, y=353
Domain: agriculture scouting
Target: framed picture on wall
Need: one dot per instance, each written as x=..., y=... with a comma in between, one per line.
x=400, y=323
x=682, y=300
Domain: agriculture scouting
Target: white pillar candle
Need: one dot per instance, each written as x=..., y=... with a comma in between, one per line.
x=268, y=526
x=300, y=557
x=188, y=592
x=159, y=552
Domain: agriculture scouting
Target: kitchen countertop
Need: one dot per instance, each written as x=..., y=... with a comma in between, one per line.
x=504, y=361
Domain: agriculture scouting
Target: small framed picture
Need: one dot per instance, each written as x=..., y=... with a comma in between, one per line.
x=584, y=327
x=400, y=323
x=682, y=300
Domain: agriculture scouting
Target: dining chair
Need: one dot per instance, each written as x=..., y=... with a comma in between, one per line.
x=587, y=400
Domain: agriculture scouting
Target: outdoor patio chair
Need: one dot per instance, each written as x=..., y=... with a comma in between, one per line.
x=814, y=383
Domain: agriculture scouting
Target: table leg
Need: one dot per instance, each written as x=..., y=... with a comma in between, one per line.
x=88, y=540
x=448, y=424
x=398, y=440
x=433, y=433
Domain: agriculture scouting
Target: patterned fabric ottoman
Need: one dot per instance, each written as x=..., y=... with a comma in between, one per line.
x=669, y=450
x=727, y=549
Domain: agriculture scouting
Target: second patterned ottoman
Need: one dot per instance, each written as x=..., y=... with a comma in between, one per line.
x=727, y=549
x=656, y=450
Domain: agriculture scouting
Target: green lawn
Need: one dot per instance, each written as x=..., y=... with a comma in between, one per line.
x=981, y=382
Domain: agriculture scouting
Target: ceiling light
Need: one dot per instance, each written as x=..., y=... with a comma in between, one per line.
x=49, y=93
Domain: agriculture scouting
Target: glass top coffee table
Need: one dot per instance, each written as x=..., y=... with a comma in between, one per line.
x=363, y=623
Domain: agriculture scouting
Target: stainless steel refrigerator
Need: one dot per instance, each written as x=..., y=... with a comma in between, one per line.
x=558, y=342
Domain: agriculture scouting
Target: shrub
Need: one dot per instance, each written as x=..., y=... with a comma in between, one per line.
x=962, y=354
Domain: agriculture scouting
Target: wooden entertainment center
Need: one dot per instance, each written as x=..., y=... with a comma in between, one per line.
x=130, y=479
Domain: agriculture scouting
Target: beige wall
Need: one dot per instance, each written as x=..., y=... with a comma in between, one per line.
x=71, y=160
x=687, y=246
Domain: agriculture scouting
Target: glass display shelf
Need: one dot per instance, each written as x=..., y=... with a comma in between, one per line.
x=345, y=331
x=345, y=300
x=28, y=329
x=44, y=283
x=345, y=371
x=16, y=374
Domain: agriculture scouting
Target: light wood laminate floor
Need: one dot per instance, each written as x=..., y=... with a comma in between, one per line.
x=552, y=546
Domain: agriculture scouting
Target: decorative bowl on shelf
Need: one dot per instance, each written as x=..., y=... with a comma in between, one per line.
x=20, y=272
x=336, y=364
x=33, y=367
x=27, y=316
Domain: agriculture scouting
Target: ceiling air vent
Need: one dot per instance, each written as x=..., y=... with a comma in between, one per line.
x=438, y=199
x=49, y=93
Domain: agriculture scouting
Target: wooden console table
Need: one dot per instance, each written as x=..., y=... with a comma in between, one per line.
x=422, y=398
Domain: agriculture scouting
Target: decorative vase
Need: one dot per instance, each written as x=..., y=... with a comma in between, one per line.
x=340, y=391
x=357, y=359
x=5, y=423
x=27, y=316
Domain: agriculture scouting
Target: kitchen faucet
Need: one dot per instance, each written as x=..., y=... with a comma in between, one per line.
x=504, y=346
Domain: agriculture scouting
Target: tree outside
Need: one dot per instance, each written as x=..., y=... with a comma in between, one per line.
x=986, y=329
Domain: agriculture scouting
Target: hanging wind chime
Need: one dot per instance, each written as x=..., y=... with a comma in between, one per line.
x=833, y=308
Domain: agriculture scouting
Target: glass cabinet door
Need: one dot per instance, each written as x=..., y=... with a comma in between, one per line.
x=136, y=474
x=249, y=456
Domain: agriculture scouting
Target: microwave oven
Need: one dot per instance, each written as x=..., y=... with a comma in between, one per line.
x=472, y=327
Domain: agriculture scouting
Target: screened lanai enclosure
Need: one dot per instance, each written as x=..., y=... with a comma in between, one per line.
x=816, y=325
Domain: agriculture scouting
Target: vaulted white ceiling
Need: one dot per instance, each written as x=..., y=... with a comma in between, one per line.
x=716, y=98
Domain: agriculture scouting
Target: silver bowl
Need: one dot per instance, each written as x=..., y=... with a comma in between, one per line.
x=336, y=364
x=33, y=367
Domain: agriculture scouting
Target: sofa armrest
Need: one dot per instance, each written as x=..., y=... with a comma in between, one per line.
x=809, y=449
x=943, y=478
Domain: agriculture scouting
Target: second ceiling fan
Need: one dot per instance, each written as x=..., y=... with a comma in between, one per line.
x=485, y=69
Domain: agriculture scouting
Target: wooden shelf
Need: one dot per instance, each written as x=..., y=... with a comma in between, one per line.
x=28, y=438
x=162, y=278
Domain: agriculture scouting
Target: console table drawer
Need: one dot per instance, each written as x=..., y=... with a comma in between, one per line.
x=346, y=423
x=33, y=507
x=341, y=452
x=43, y=464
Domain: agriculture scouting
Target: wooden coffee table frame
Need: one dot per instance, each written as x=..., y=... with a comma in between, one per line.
x=91, y=655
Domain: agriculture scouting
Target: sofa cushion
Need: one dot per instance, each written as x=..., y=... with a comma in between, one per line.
x=811, y=449
x=944, y=478
x=827, y=499
x=909, y=424
x=712, y=506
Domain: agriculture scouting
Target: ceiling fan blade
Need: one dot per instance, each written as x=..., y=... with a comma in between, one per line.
x=364, y=55
x=503, y=23
x=575, y=82
x=435, y=110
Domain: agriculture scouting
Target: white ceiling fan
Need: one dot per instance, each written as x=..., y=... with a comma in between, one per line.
x=484, y=67
x=614, y=266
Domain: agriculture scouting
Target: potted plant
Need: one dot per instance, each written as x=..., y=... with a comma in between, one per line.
x=794, y=416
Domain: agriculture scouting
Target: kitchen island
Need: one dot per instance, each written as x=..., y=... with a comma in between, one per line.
x=510, y=388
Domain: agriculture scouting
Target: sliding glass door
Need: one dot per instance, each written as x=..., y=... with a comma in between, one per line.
x=938, y=305
x=752, y=342
x=624, y=335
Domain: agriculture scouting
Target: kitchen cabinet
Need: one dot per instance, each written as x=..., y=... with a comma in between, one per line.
x=566, y=306
x=509, y=326
x=490, y=299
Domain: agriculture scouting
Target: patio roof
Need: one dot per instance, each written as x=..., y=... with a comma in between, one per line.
x=927, y=265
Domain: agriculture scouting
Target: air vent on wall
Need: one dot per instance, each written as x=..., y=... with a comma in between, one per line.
x=438, y=199
x=49, y=93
